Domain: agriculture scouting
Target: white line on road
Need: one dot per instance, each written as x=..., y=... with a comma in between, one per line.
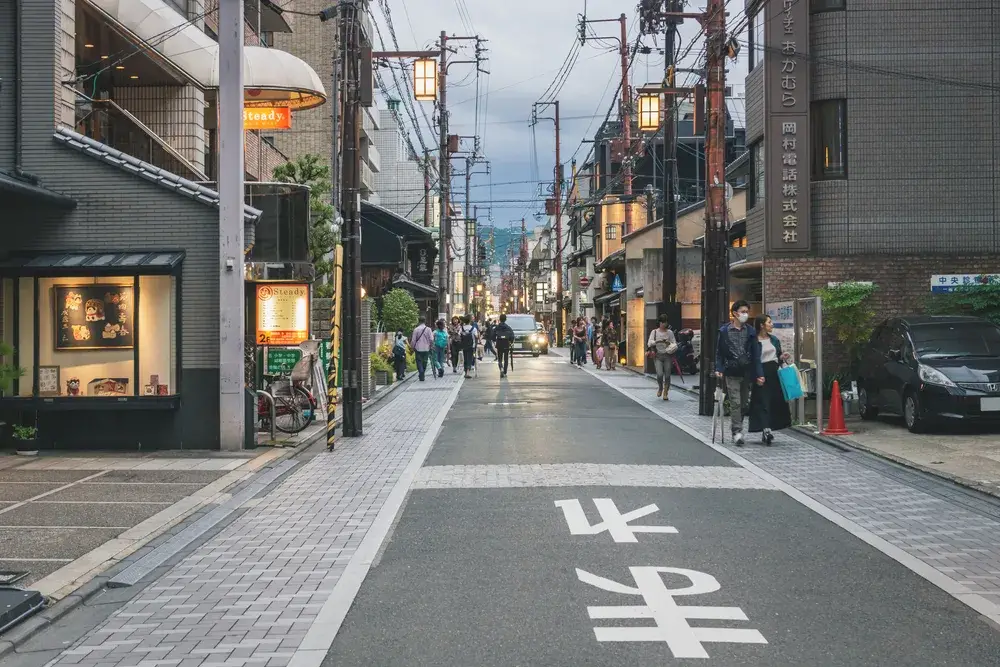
x=55, y=490
x=507, y=476
x=37, y=560
x=325, y=627
x=947, y=584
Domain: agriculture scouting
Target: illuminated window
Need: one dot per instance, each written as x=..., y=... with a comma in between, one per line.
x=611, y=232
x=829, y=127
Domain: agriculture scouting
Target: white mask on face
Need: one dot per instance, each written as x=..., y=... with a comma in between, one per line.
x=743, y=317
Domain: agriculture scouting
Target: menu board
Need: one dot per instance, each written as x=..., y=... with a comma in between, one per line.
x=282, y=313
x=93, y=317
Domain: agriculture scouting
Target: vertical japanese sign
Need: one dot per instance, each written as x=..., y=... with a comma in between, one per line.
x=787, y=136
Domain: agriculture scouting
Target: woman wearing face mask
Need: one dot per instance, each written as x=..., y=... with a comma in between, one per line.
x=768, y=409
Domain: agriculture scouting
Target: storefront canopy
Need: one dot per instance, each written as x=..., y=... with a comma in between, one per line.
x=393, y=223
x=19, y=188
x=93, y=263
x=270, y=76
x=418, y=290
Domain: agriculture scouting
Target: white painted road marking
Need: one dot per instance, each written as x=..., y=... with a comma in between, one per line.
x=612, y=520
x=671, y=620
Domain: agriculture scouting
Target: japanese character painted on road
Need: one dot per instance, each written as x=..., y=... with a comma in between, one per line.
x=670, y=620
x=612, y=520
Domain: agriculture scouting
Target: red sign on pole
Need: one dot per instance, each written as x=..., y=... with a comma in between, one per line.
x=584, y=281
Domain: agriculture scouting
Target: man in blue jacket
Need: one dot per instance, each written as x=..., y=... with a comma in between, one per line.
x=735, y=363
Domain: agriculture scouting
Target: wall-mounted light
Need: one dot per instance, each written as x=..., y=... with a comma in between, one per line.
x=104, y=57
x=649, y=112
x=119, y=67
x=425, y=80
x=134, y=76
x=88, y=46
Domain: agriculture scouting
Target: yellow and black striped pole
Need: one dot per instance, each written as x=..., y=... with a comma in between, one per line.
x=331, y=374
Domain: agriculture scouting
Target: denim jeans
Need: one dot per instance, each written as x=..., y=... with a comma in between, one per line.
x=664, y=365
x=422, y=363
x=440, y=354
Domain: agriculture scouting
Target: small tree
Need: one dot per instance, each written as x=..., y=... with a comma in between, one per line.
x=8, y=370
x=979, y=300
x=309, y=170
x=847, y=310
x=400, y=311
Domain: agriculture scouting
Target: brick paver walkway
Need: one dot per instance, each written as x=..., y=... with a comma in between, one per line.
x=249, y=595
x=962, y=545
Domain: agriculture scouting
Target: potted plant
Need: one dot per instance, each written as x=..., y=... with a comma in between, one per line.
x=381, y=369
x=25, y=438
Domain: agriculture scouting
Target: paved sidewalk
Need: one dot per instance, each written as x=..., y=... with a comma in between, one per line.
x=261, y=592
x=957, y=548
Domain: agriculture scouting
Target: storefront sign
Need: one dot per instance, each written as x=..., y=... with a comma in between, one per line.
x=281, y=360
x=94, y=317
x=282, y=313
x=421, y=262
x=943, y=284
x=786, y=135
x=267, y=118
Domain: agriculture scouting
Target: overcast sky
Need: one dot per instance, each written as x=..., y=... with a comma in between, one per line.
x=528, y=43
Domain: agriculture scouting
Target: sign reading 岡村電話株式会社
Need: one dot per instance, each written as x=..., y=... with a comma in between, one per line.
x=786, y=146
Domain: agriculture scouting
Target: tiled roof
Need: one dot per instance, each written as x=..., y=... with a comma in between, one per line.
x=133, y=165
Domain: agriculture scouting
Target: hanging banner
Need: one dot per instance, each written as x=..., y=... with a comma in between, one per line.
x=282, y=313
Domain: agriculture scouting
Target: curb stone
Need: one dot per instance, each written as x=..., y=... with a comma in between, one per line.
x=849, y=445
x=30, y=627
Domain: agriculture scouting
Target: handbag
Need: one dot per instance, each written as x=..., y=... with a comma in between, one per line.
x=672, y=348
x=791, y=382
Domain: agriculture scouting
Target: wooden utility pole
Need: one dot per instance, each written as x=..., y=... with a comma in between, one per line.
x=715, y=271
x=444, y=177
x=427, y=188
x=558, y=256
x=350, y=23
x=625, y=113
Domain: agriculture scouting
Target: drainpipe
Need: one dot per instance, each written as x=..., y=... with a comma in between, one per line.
x=18, y=87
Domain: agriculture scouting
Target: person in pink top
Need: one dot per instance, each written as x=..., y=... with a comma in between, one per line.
x=421, y=342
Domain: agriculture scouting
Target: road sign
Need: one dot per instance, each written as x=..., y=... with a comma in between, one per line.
x=584, y=281
x=281, y=359
x=617, y=285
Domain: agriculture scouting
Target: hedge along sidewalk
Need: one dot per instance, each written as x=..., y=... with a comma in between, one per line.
x=87, y=577
x=970, y=460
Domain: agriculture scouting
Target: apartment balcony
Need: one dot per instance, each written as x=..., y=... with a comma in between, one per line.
x=105, y=121
x=367, y=177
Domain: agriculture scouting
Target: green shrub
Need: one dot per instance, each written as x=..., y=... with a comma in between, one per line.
x=400, y=312
x=978, y=300
x=847, y=310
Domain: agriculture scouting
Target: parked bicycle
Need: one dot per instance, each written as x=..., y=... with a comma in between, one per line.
x=294, y=404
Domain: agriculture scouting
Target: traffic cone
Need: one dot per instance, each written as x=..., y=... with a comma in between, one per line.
x=835, y=424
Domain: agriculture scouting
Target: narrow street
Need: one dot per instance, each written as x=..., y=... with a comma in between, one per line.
x=558, y=518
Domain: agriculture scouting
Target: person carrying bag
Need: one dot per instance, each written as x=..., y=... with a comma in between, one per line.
x=661, y=347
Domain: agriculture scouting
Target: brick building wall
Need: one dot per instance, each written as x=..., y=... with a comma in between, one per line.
x=903, y=282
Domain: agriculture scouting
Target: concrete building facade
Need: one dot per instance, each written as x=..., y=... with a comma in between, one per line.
x=873, y=144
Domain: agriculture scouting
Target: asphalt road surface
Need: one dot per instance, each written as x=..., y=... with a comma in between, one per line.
x=558, y=523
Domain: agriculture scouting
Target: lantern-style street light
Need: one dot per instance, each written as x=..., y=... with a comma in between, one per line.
x=649, y=112
x=425, y=78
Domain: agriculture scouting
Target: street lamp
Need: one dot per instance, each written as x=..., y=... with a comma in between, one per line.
x=649, y=112
x=425, y=79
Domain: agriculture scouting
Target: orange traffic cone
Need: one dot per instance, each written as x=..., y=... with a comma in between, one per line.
x=835, y=424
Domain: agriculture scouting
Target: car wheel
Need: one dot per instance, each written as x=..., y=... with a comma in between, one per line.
x=911, y=413
x=865, y=407
x=536, y=354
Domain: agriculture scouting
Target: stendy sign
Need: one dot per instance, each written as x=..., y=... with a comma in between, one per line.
x=267, y=118
x=282, y=313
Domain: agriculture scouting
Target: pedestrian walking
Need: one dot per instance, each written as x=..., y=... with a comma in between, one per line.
x=610, y=338
x=591, y=338
x=488, y=345
x=467, y=338
x=440, y=347
x=455, y=341
x=422, y=341
x=399, y=356
x=769, y=410
x=734, y=364
x=661, y=347
x=504, y=338
x=580, y=342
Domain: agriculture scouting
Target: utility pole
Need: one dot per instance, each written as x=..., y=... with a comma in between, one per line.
x=671, y=308
x=350, y=25
x=715, y=271
x=444, y=179
x=559, y=249
x=232, y=300
x=625, y=112
x=523, y=259
x=467, y=213
x=427, y=188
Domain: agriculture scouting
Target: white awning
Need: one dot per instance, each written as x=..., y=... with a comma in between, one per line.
x=270, y=76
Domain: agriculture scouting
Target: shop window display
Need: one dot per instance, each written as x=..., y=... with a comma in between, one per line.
x=96, y=336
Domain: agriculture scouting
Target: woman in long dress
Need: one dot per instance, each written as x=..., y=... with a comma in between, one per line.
x=769, y=410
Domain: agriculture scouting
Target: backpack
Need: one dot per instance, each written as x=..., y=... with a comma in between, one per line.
x=441, y=338
x=399, y=351
x=468, y=338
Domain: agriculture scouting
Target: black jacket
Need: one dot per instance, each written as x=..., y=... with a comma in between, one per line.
x=504, y=333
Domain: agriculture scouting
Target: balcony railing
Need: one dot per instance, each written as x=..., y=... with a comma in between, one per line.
x=105, y=121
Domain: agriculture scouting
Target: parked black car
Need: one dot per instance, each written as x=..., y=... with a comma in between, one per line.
x=931, y=368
